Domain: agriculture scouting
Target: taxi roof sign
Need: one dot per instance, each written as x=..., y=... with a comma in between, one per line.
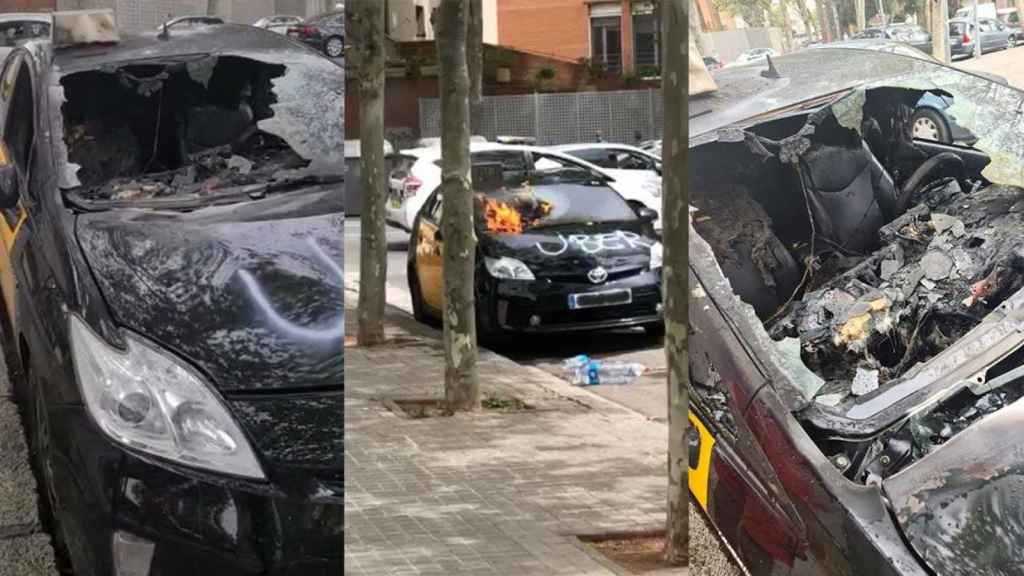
x=76, y=27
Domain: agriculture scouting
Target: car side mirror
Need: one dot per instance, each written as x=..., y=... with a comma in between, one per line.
x=646, y=214
x=10, y=180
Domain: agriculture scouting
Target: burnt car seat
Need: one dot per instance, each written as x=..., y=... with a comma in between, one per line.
x=847, y=189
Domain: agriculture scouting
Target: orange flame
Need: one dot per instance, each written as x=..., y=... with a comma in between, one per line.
x=501, y=217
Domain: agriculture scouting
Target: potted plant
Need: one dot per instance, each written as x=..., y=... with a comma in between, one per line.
x=503, y=61
x=543, y=76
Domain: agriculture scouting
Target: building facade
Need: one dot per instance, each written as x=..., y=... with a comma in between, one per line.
x=621, y=35
x=409, y=20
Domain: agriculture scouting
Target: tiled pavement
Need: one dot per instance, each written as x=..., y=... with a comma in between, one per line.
x=487, y=494
x=24, y=546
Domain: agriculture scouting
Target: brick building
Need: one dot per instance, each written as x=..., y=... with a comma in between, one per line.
x=139, y=15
x=621, y=34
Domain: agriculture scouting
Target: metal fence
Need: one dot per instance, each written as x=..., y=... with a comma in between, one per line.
x=564, y=118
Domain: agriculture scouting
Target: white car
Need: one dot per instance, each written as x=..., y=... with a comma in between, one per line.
x=752, y=56
x=416, y=173
x=278, y=23
x=15, y=27
x=636, y=170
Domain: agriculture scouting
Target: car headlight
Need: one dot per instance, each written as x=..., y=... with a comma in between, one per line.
x=656, y=255
x=509, y=268
x=147, y=400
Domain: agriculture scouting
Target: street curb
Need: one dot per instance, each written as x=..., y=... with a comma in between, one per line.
x=549, y=381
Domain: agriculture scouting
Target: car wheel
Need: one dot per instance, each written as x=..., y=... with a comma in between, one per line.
x=42, y=461
x=930, y=125
x=655, y=330
x=334, y=46
x=1011, y=42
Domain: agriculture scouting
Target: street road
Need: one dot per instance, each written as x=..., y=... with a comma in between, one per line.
x=1003, y=63
x=646, y=395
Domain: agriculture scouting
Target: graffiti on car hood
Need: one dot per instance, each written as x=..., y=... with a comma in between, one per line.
x=251, y=293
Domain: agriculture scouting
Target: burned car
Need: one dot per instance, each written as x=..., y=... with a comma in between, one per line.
x=856, y=315
x=171, y=273
x=557, y=249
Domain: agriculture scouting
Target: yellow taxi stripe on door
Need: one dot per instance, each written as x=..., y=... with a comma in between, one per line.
x=698, y=477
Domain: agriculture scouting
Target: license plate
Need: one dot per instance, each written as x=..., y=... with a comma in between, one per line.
x=603, y=298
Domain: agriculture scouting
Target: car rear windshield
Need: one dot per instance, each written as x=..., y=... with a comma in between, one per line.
x=537, y=200
x=957, y=28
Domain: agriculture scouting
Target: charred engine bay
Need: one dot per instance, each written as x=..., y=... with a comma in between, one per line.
x=184, y=128
x=865, y=254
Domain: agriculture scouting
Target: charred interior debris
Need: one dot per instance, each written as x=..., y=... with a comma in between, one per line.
x=185, y=127
x=874, y=250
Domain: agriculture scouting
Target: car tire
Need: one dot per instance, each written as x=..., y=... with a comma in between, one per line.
x=928, y=124
x=334, y=47
x=655, y=330
x=1011, y=42
x=39, y=451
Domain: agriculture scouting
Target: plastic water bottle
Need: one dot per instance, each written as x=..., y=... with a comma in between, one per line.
x=585, y=371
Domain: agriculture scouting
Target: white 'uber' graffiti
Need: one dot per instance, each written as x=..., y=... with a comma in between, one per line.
x=594, y=243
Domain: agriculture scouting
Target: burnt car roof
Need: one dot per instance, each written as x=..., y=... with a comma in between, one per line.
x=213, y=39
x=743, y=93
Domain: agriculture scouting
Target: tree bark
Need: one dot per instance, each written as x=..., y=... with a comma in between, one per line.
x=675, y=236
x=808, y=18
x=940, y=30
x=461, y=389
x=823, y=18
x=861, y=15
x=787, y=27
x=367, y=58
x=475, y=62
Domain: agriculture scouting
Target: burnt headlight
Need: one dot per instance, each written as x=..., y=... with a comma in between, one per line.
x=146, y=399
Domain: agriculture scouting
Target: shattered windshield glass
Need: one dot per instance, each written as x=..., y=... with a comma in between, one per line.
x=201, y=126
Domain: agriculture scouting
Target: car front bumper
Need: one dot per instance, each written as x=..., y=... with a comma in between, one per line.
x=542, y=306
x=173, y=521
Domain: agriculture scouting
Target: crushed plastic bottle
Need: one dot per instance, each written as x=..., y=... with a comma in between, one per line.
x=585, y=371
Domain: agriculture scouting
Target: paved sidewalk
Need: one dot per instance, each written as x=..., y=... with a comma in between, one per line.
x=489, y=493
x=24, y=546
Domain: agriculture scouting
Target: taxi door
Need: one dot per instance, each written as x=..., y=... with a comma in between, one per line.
x=429, y=255
x=17, y=134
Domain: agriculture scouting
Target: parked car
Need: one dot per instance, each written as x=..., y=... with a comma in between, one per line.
x=712, y=63
x=416, y=172
x=1010, y=19
x=909, y=34
x=752, y=56
x=557, y=250
x=325, y=33
x=172, y=297
x=353, y=171
x=278, y=23
x=851, y=417
x=16, y=27
x=653, y=147
x=190, y=22
x=994, y=35
x=633, y=168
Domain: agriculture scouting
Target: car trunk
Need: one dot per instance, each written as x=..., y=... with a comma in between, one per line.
x=881, y=269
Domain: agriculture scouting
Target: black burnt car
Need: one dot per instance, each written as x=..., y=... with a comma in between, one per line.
x=857, y=319
x=557, y=249
x=171, y=273
x=325, y=33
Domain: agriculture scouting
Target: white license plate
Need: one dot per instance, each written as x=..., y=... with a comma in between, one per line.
x=602, y=298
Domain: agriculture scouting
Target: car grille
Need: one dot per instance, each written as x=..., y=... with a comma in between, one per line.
x=554, y=310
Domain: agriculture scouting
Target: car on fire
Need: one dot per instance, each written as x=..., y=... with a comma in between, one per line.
x=414, y=173
x=170, y=264
x=856, y=309
x=557, y=250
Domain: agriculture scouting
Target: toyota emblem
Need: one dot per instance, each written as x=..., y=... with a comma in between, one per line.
x=598, y=275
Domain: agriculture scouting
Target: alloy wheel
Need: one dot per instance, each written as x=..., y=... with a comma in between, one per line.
x=925, y=129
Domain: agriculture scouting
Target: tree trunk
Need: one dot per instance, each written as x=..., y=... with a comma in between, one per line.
x=696, y=27
x=461, y=389
x=862, y=21
x=787, y=27
x=808, y=18
x=475, y=62
x=367, y=57
x=675, y=236
x=823, y=18
x=940, y=30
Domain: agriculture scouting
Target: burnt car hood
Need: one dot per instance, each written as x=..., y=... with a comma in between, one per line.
x=962, y=506
x=250, y=293
x=572, y=250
